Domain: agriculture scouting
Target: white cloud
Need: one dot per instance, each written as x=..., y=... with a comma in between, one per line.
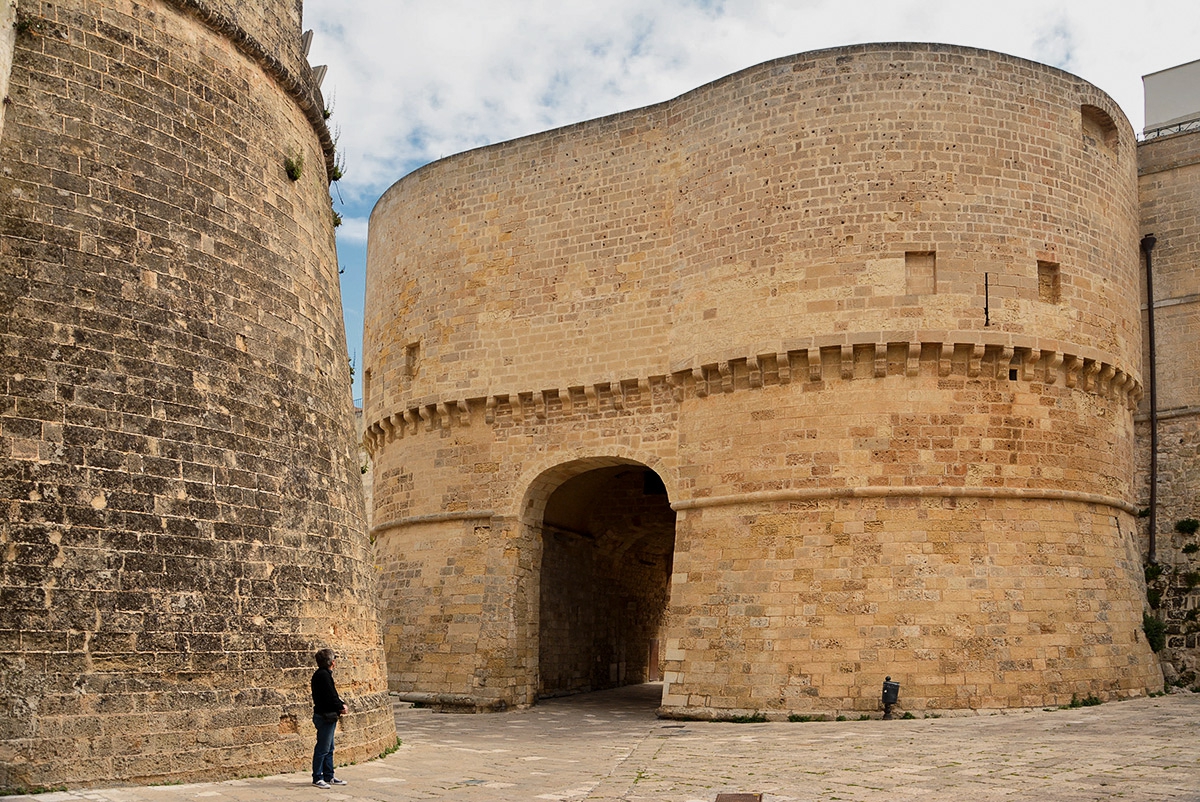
x=416, y=80
x=353, y=230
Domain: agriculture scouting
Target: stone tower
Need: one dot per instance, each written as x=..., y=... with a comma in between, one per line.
x=183, y=524
x=822, y=372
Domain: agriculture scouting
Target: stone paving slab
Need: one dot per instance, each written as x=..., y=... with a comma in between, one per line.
x=609, y=746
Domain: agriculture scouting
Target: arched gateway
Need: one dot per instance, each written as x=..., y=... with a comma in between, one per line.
x=869, y=314
x=608, y=539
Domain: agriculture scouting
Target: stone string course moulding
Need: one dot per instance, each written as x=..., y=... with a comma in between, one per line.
x=819, y=373
x=183, y=519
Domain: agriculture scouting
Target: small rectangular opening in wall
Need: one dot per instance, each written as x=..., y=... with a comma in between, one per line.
x=366, y=387
x=1049, y=282
x=412, y=355
x=920, y=271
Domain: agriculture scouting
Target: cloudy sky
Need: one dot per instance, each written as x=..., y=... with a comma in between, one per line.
x=411, y=81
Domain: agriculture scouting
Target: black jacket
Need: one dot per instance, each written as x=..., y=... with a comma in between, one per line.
x=324, y=692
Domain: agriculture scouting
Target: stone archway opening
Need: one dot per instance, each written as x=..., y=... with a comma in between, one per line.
x=608, y=539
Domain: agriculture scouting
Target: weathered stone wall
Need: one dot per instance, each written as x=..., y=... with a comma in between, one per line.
x=183, y=522
x=1169, y=184
x=8, y=40
x=941, y=547
x=460, y=580
x=272, y=24
x=771, y=291
x=365, y=468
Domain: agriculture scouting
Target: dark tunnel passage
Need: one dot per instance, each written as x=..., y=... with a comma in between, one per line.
x=608, y=541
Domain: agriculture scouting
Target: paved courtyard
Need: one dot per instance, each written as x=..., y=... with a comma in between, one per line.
x=609, y=746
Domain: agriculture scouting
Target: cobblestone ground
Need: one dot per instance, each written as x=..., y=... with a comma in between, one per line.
x=609, y=746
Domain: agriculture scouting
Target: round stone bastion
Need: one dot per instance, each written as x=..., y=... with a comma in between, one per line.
x=183, y=521
x=818, y=374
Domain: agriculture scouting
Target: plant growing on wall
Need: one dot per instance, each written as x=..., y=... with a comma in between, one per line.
x=1188, y=526
x=1152, y=572
x=31, y=26
x=294, y=166
x=1156, y=632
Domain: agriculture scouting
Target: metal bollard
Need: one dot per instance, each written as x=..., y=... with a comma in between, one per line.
x=891, y=693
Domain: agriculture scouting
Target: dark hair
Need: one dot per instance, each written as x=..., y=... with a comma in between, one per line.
x=324, y=658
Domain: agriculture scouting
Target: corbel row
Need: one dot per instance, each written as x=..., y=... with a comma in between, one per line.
x=844, y=362
x=427, y=416
x=880, y=359
x=617, y=394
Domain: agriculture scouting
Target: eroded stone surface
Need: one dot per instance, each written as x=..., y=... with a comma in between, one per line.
x=183, y=521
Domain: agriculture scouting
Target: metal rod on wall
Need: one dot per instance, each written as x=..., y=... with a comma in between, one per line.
x=1148, y=242
x=987, y=321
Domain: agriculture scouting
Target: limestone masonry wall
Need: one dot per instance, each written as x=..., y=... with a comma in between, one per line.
x=1169, y=183
x=183, y=525
x=869, y=316
x=8, y=39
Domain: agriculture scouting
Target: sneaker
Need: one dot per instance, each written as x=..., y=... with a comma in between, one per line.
x=336, y=781
x=320, y=784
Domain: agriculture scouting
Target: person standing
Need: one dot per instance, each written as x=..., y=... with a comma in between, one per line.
x=327, y=708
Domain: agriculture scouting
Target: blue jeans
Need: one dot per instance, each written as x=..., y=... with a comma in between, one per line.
x=323, y=752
